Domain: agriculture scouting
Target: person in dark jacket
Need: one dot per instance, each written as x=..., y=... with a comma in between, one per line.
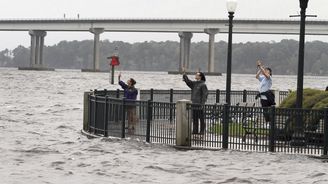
x=130, y=94
x=199, y=94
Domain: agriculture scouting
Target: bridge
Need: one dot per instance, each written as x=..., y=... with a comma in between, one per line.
x=37, y=28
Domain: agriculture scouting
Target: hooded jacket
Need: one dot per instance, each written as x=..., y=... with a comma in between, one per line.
x=199, y=90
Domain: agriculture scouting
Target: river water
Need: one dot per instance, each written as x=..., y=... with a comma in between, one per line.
x=41, y=142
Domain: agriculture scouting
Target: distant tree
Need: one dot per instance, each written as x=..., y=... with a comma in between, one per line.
x=21, y=56
x=281, y=56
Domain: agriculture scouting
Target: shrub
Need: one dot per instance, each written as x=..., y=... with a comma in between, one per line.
x=312, y=99
x=290, y=101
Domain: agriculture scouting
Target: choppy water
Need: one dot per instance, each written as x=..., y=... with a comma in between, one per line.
x=41, y=119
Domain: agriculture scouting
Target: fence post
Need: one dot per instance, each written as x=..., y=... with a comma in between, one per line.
x=151, y=94
x=95, y=114
x=117, y=93
x=276, y=97
x=117, y=108
x=149, y=118
x=123, y=118
x=244, y=95
x=86, y=111
x=106, y=117
x=171, y=102
x=183, y=132
x=272, y=129
x=225, y=126
x=325, y=147
x=217, y=96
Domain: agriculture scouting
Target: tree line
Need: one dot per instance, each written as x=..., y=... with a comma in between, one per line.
x=281, y=56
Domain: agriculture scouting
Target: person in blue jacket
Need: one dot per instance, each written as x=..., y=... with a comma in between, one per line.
x=130, y=94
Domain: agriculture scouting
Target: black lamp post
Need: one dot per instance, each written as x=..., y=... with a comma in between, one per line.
x=298, y=136
x=299, y=97
x=231, y=7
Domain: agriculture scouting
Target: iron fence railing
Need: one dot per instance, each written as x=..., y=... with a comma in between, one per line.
x=172, y=96
x=154, y=121
x=242, y=126
x=245, y=128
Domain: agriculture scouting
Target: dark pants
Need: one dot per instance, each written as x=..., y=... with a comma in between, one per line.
x=132, y=118
x=198, y=114
x=265, y=103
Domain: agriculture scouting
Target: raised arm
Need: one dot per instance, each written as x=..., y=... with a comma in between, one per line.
x=119, y=77
x=189, y=83
x=262, y=70
x=121, y=83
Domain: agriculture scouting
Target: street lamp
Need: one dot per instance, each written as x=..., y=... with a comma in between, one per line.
x=231, y=7
x=299, y=97
x=298, y=137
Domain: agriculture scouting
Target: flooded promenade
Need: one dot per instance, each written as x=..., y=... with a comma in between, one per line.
x=41, y=118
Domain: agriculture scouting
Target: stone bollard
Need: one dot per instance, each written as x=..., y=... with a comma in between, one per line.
x=277, y=97
x=183, y=131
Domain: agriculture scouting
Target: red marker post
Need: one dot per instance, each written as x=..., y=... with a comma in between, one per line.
x=113, y=61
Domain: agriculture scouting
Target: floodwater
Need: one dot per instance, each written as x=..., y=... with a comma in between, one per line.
x=41, y=140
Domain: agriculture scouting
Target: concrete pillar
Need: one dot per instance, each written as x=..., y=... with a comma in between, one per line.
x=276, y=97
x=185, y=40
x=181, y=59
x=41, y=50
x=37, y=52
x=211, y=42
x=183, y=132
x=37, y=44
x=96, y=32
x=33, y=49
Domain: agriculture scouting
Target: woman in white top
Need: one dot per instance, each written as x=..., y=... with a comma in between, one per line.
x=264, y=75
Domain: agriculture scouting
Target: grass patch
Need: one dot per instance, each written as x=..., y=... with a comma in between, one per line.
x=236, y=129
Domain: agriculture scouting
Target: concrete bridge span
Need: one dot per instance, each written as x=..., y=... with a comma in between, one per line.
x=184, y=28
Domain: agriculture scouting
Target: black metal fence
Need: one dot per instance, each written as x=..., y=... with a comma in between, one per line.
x=243, y=126
x=108, y=116
x=172, y=96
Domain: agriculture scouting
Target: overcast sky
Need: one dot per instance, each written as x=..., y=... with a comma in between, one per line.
x=202, y=9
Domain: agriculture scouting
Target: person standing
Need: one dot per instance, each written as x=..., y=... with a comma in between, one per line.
x=199, y=94
x=264, y=75
x=130, y=94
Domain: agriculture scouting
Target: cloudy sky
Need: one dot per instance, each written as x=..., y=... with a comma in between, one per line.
x=201, y=9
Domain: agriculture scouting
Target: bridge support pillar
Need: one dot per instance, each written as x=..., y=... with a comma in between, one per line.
x=96, y=46
x=185, y=39
x=36, y=51
x=211, y=42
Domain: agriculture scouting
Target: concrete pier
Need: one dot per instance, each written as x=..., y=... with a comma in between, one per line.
x=211, y=52
x=36, y=55
x=185, y=39
x=96, y=45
